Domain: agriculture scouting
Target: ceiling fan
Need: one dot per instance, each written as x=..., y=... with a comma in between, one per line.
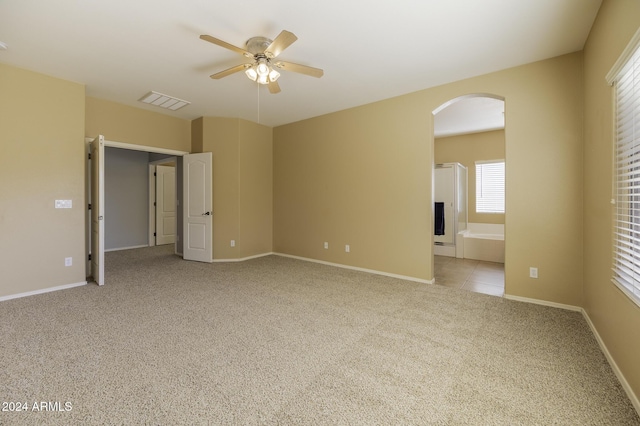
x=263, y=52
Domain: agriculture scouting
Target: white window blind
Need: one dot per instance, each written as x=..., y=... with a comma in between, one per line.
x=626, y=250
x=490, y=186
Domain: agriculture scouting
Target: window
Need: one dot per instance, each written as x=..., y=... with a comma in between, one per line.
x=490, y=186
x=626, y=238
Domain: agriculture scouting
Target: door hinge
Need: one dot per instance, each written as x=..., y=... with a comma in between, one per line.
x=155, y=174
x=89, y=155
x=89, y=257
x=154, y=234
x=89, y=206
x=154, y=203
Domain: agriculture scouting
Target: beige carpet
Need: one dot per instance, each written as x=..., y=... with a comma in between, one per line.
x=280, y=341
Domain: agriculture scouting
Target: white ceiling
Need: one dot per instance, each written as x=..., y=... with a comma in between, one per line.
x=370, y=50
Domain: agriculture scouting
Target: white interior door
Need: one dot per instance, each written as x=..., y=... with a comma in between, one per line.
x=165, y=205
x=97, y=209
x=197, y=207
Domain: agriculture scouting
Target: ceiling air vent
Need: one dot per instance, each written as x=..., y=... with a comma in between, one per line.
x=163, y=101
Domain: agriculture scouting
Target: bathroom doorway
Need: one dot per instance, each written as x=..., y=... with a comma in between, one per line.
x=470, y=131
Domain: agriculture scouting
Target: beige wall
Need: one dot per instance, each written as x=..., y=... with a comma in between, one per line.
x=242, y=184
x=41, y=160
x=256, y=189
x=360, y=177
x=543, y=153
x=197, y=132
x=615, y=317
x=123, y=123
x=363, y=177
x=466, y=150
x=220, y=137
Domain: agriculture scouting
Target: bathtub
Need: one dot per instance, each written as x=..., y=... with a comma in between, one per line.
x=481, y=241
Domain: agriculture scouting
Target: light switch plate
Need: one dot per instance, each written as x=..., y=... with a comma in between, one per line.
x=63, y=204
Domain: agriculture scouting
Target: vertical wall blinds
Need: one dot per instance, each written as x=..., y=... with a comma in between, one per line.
x=490, y=186
x=626, y=250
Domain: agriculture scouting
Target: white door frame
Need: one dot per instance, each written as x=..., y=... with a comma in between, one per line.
x=121, y=145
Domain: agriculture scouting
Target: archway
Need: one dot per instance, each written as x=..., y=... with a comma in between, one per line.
x=469, y=193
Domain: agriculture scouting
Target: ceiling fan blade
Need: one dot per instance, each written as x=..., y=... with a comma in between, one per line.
x=302, y=69
x=230, y=71
x=274, y=87
x=225, y=45
x=284, y=40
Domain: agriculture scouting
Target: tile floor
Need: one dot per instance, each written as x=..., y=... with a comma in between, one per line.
x=472, y=275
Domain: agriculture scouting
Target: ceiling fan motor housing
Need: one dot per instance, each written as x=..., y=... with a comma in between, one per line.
x=257, y=45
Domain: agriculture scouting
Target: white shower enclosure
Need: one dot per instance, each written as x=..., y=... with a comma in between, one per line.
x=450, y=198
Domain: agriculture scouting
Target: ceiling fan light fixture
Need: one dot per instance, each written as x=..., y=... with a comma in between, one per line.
x=263, y=79
x=251, y=73
x=274, y=75
x=262, y=68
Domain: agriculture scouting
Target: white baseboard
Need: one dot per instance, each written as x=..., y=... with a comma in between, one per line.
x=242, y=259
x=623, y=382
x=544, y=303
x=127, y=248
x=625, y=385
x=339, y=265
x=355, y=268
x=44, y=290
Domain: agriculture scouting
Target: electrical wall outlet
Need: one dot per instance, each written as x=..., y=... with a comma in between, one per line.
x=68, y=261
x=533, y=272
x=347, y=248
x=233, y=243
x=326, y=245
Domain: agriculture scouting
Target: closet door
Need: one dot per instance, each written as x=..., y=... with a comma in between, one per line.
x=165, y=205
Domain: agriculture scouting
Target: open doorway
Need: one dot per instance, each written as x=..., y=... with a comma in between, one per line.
x=469, y=236
x=192, y=192
x=126, y=189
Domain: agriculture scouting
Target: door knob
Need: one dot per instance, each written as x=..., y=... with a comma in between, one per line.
x=206, y=214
